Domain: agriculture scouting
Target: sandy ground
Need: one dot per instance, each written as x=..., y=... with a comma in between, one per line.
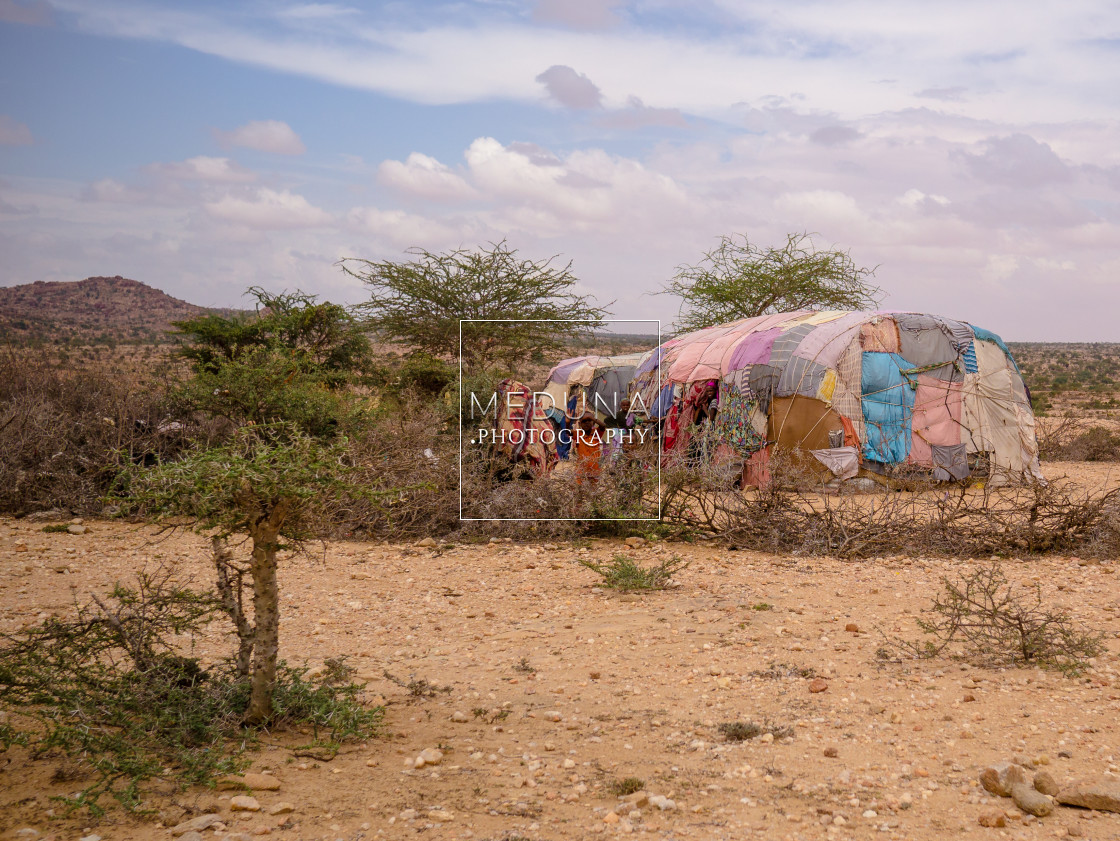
x=577, y=687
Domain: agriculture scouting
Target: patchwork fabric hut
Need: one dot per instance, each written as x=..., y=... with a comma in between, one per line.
x=602, y=382
x=889, y=393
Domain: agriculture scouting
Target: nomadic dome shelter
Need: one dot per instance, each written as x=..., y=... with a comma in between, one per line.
x=890, y=393
x=604, y=382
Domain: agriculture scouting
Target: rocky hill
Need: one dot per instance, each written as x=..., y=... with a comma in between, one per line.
x=97, y=310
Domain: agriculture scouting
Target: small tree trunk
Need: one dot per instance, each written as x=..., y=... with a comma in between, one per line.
x=266, y=615
x=230, y=577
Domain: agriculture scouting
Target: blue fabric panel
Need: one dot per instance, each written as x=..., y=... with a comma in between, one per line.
x=888, y=406
x=988, y=336
x=969, y=357
x=664, y=401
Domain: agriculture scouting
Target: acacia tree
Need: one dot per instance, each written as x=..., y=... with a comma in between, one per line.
x=421, y=301
x=272, y=483
x=739, y=279
x=272, y=391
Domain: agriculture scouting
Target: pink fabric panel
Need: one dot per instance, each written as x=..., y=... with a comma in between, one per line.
x=719, y=351
x=936, y=419
x=827, y=342
x=681, y=369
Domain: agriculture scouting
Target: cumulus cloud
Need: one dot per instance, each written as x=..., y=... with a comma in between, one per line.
x=1017, y=161
x=401, y=229
x=578, y=14
x=569, y=88
x=35, y=13
x=13, y=133
x=269, y=210
x=113, y=191
x=637, y=115
x=206, y=169
x=954, y=93
x=272, y=136
x=426, y=177
x=834, y=135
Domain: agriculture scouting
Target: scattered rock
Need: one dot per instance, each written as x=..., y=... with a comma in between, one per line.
x=258, y=782
x=244, y=803
x=281, y=808
x=610, y=818
x=427, y=542
x=968, y=699
x=635, y=542
x=1030, y=801
x=1103, y=797
x=440, y=816
x=408, y=815
x=852, y=628
x=429, y=756
x=77, y=529
x=191, y=836
x=999, y=778
x=27, y=832
x=818, y=685
x=831, y=752
x=553, y=715
x=1044, y=781
x=662, y=802
x=90, y=838
x=199, y=824
x=992, y=818
x=459, y=717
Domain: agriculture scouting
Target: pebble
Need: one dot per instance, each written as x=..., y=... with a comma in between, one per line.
x=77, y=529
x=244, y=803
x=1030, y=801
x=1044, y=782
x=27, y=832
x=662, y=802
x=992, y=818
x=459, y=717
x=817, y=685
x=999, y=778
x=440, y=816
x=831, y=752
x=610, y=818
x=90, y=838
x=199, y=824
x=429, y=756
x=281, y=808
x=635, y=542
x=553, y=715
x=852, y=628
x=408, y=815
x=427, y=542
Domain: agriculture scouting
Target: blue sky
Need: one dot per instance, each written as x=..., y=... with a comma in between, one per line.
x=970, y=151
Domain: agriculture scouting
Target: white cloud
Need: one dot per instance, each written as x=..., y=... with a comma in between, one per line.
x=426, y=177
x=404, y=230
x=207, y=169
x=271, y=136
x=14, y=133
x=578, y=14
x=569, y=88
x=269, y=210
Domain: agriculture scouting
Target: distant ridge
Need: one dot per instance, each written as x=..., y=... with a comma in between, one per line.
x=94, y=310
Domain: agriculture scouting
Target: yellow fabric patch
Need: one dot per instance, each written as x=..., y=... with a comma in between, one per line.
x=828, y=386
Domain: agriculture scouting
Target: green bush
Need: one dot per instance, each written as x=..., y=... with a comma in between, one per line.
x=623, y=573
x=111, y=690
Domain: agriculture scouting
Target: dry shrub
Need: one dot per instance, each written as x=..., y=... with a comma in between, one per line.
x=792, y=515
x=1066, y=438
x=65, y=434
x=984, y=619
x=408, y=460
